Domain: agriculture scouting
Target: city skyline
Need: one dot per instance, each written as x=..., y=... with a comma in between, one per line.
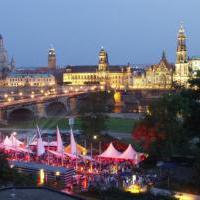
x=77, y=39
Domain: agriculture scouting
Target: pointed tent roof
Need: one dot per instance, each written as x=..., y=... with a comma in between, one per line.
x=129, y=153
x=15, y=141
x=40, y=145
x=110, y=152
x=59, y=141
x=7, y=142
x=72, y=143
x=80, y=149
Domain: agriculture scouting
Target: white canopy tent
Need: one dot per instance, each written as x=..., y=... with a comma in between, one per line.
x=40, y=145
x=15, y=141
x=129, y=153
x=110, y=152
x=73, y=143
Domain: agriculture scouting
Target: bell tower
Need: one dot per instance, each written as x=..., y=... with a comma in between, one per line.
x=103, y=60
x=181, y=52
x=52, y=58
x=181, y=66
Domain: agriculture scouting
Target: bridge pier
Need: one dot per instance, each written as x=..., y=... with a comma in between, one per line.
x=40, y=110
x=3, y=118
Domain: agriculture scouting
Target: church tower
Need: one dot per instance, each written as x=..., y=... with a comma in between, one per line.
x=52, y=58
x=181, y=66
x=4, y=63
x=103, y=60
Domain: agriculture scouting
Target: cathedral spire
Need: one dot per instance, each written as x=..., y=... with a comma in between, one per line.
x=164, y=55
x=1, y=41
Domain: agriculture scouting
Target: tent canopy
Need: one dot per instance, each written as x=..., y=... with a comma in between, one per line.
x=129, y=153
x=80, y=149
x=110, y=152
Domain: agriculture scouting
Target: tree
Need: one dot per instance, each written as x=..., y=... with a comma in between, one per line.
x=92, y=112
x=10, y=175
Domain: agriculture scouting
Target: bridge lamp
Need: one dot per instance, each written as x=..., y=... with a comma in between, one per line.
x=12, y=92
x=42, y=91
x=6, y=95
x=32, y=96
x=45, y=94
x=20, y=94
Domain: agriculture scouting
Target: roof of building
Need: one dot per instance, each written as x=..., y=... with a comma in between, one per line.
x=93, y=68
x=32, y=193
x=23, y=75
x=195, y=58
x=38, y=166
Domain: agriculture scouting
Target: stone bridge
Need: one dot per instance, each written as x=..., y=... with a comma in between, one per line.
x=39, y=108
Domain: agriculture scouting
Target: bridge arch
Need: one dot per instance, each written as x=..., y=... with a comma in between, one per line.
x=21, y=114
x=56, y=109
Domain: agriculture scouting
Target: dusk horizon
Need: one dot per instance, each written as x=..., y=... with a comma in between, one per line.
x=131, y=32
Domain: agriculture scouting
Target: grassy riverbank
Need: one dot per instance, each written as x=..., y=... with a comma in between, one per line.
x=113, y=124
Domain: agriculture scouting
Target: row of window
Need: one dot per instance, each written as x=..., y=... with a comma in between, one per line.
x=75, y=77
x=30, y=79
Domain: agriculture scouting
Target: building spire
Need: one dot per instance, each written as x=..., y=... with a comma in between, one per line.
x=1, y=41
x=164, y=55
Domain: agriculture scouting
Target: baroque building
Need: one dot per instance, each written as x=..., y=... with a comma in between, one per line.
x=104, y=74
x=30, y=80
x=5, y=65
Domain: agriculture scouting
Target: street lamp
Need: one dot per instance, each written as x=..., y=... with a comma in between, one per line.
x=6, y=95
x=94, y=137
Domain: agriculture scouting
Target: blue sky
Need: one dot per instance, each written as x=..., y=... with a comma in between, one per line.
x=134, y=31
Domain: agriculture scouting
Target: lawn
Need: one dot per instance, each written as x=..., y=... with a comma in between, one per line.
x=113, y=124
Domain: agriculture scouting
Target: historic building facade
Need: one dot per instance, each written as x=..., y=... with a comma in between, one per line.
x=30, y=80
x=115, y=77
x=157, y=76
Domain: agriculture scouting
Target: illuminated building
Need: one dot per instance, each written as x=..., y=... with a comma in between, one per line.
x=109, y=76
x=157, y=76
x=32, y=80
x=194, y=64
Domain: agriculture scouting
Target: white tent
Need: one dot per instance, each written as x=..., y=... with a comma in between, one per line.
x=7, y=142
x=110, y=152
x=40, y=145
x=129, y=153
x=59, y=141
x=15, y=141
x=72, y=143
